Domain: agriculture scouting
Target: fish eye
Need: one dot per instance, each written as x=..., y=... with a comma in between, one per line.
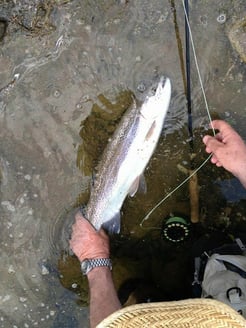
x=153, y=91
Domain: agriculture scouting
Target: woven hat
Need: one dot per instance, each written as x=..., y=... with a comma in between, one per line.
x=191, y=313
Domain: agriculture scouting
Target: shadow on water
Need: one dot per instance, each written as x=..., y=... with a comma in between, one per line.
x=68, y=72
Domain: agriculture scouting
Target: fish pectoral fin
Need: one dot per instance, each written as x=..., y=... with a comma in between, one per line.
x=138, y=184
x=113, y=225
x=151, y=131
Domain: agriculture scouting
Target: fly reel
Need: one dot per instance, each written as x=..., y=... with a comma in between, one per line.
x=175, y=229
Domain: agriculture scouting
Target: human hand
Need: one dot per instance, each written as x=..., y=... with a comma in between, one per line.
x=86, y=242
x=228, y=149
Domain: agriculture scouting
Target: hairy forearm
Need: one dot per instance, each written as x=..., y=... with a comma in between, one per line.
x=241, y=170
x=103, y=296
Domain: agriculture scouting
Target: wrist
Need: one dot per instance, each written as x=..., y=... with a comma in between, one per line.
x=93, y=255
x=98, y=277
x=98, y=272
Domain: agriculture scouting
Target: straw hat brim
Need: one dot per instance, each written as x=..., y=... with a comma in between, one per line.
x=199, y=313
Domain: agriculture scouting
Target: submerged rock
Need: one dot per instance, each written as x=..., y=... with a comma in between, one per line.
x=237, y=37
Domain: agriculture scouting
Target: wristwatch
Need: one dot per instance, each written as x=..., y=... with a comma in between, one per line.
x=88, y=264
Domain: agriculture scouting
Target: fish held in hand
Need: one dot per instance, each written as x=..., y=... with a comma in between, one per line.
x=126, y=156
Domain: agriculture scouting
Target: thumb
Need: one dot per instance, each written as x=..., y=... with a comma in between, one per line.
x=103, y=234
x=212, y=144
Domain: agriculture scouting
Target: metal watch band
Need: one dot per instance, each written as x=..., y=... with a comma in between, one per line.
x=88, y=264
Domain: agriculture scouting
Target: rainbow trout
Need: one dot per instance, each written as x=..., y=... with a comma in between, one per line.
x=126, y=156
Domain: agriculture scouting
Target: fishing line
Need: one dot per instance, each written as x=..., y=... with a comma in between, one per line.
x=172, y=192
x=146, y=217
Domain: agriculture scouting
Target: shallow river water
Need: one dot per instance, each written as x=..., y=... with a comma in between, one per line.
x=82, y=58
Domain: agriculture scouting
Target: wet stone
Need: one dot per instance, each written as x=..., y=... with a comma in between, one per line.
x=11, y=269
x=44, y=270
x=221, y=18
x=57, y=93
x=23, y=299
x=8, y=206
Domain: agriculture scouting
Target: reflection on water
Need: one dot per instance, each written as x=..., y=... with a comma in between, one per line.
x=61, y=61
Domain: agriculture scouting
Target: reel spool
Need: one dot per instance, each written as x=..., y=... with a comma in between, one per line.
x=175, y=229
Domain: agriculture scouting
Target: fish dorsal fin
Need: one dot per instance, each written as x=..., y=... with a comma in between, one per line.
x=138, y=184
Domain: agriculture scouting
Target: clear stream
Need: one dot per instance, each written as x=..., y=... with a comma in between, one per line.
x=81, y=57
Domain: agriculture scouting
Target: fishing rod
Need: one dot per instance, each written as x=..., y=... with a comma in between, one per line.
x=193, y=182
x=185, y=63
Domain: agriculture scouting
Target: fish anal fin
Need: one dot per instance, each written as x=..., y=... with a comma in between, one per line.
x=138, y=184
x=113, y=225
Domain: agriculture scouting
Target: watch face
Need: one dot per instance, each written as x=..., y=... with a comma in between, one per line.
x=84, y=266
